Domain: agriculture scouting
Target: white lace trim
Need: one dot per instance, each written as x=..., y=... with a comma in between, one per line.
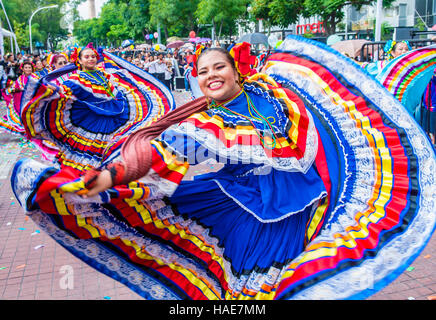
x=251, y=154
x=159, y=187
x=99, y=254
x=284, y=216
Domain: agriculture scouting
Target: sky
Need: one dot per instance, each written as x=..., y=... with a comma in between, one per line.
x=84, y=8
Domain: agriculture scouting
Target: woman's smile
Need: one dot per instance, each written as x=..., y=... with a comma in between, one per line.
x=215, y=85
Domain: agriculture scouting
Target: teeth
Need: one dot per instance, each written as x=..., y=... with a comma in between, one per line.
x=215, y=85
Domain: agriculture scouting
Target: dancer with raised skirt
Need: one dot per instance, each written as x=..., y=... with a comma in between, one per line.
x=326, y=188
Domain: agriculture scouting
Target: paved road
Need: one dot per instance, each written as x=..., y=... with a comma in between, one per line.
x=32, y=265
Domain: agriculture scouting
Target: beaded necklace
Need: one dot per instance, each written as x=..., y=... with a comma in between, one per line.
x=103, y=82
x=267, y=125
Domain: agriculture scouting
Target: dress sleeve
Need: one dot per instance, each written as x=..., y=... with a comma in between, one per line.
x=156, y=158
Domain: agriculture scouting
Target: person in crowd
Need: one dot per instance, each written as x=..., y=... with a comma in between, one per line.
x=3, y=75
x=46, y=62
x=392, y=50
x=159, y=67
x=138, y=62
x=40, y=71
x=59, y=61
x=151, y=66
x=172, y=63
x=13, y=94
x=20, y=58
x=169, y=75
x=12, y=67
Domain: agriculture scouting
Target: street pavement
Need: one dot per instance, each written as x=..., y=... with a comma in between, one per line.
x=32, y=264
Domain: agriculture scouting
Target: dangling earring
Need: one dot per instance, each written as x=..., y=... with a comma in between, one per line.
x=238, y=81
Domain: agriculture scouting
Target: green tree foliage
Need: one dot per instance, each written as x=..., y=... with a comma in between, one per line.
x=135, y=16
x=47, y=24
x=134, y=19
x=277, y=12
x=175, y=17
x=222, y=14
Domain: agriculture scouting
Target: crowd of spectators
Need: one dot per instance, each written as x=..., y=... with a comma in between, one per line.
x=10, y=66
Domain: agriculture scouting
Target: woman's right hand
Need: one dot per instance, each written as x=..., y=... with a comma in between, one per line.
x=102, y=183
x=54, y=88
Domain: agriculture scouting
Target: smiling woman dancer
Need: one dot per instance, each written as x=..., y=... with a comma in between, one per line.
x=305, y=199
x=11, y=121
x=80, y=114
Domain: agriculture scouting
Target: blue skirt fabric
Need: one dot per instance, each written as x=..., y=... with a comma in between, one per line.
x=249, y=243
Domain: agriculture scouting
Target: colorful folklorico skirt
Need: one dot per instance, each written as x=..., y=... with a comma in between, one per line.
x=408, y=76
x=92, y=109
x=426, y=113
x=11, y=121
x=355, y=230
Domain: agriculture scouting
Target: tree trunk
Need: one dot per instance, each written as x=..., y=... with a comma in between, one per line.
x=213, y=28
x=166, y=32
x=330, y=24
x=192, y=26
x=219, y=32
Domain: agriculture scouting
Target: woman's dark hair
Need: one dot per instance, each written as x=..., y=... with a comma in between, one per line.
x=81, y=51
x=221, y=50
x=29, y=63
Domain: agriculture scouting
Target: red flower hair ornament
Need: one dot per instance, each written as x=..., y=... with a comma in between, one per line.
x=243, y=59
x=27, y=62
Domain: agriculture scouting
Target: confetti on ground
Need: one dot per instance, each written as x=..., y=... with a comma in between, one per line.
x=20, y=266
x=427, y=256
x=410, y=268
x=2, y=268
x=106, y=297
x=22, y=229
x=39, y=246
x=35, y=233
x=9, y=223
x=410, y=298
x=431, y=297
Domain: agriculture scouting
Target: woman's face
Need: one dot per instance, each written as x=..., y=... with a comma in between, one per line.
x=216, y=77
x=27, y=69
x=60, y=63
x=400, y=48
x=88, y=59
x=39, y=65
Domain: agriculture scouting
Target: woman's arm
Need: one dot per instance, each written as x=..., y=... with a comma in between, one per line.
x=144, y=154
